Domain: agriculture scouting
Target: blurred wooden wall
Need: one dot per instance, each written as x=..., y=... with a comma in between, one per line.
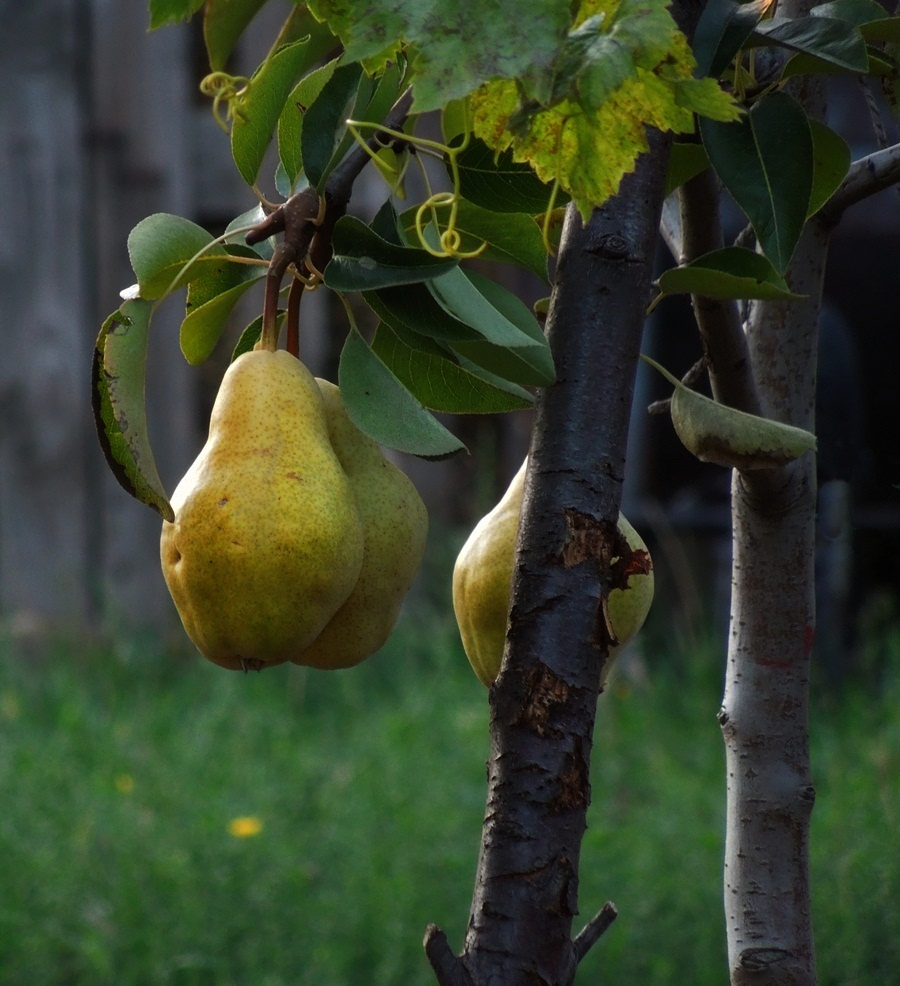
x=99, y=127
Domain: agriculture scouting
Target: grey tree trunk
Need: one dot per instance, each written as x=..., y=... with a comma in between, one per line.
x=764, y=714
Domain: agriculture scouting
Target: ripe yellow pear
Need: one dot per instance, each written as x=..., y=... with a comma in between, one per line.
x=395, y=525
x=482, y=578
x=267, y=541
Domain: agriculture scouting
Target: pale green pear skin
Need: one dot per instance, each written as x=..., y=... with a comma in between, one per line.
x=482, y=578
x=395, y=526
x=267, y=541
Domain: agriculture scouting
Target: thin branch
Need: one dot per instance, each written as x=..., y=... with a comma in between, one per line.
x=339, y=186
x=594, y=930
x=724, y=343
x=298, y=223
x=867, y=176
x=299, y=209
x=448, y=969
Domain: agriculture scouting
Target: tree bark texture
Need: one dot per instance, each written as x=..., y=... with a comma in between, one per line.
x=544, y=701
x=764, y=715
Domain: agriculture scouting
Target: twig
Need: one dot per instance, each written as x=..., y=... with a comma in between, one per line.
x=339, y=186
x=447, y=967
x=689, y=379
x=594, y=930
x=297, y=220
x=294, y=217
x=873, y=173
x=723, y=339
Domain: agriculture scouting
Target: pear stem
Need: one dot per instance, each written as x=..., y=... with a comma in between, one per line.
x=297, y=218
x=295, y=296
x=308, y=228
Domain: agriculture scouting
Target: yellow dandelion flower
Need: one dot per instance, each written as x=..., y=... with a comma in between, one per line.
x=124, y=783
x=245, y=827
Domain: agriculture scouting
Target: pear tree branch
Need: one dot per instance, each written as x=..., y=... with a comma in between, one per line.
x=307, y=231
x=721, y=333
x=869, y=175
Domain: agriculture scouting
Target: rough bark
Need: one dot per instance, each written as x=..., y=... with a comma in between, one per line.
x=543, y=704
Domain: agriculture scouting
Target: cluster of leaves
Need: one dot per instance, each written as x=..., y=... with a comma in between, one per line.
x=538, y=106
x=779, y=165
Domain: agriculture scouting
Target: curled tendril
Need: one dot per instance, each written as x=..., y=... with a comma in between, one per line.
x=225, y=91
x=450, y=239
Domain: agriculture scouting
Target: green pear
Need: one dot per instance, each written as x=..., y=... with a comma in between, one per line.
x=267, y=541
x=482, y=578
x=395, y=525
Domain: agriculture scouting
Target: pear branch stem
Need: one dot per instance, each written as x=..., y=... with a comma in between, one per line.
x=298, y=223
x=308, y=232
x=295, y=296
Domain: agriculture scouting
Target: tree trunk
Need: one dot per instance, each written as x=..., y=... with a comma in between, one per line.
x=543, y=704
x=764, y=714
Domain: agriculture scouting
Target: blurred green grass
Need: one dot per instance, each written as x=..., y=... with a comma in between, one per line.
x=122, y=768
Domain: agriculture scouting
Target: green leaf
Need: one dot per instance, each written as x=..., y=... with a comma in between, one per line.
x=857, y=12
x=224, y=21
x=766, y=162
x=459, y=294
x=161, y=245
x=373, y=101
x=459, y=46
x=290, y=122
x=716, y=433
x=867, y=15
x=252, y=217
x=511, y=237
x=117, y=379
x=258, y=110
x=413, y=309
x=250, y=336
x=454, y=121
x=204, y=324
x=837, y=42
x=363, y=261
x=879, y=65
x=384, y=409
x=414, y=313
x=732, y=272
x=723, y=28
x=172, y=11
x=497, y=182
x=385, y=224
x=512, y=344
x=324, y=121
x=831, y=161
x=686, y=161
x=437, y=380
x=886, y=29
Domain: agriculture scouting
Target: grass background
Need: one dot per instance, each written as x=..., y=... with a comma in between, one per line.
x=122, y=767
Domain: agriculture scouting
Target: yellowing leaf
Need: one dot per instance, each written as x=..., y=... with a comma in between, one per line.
x=587, y=147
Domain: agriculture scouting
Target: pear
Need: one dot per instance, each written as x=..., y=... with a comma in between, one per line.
x=482, y=578
x=395, y=525
x=267, y=541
